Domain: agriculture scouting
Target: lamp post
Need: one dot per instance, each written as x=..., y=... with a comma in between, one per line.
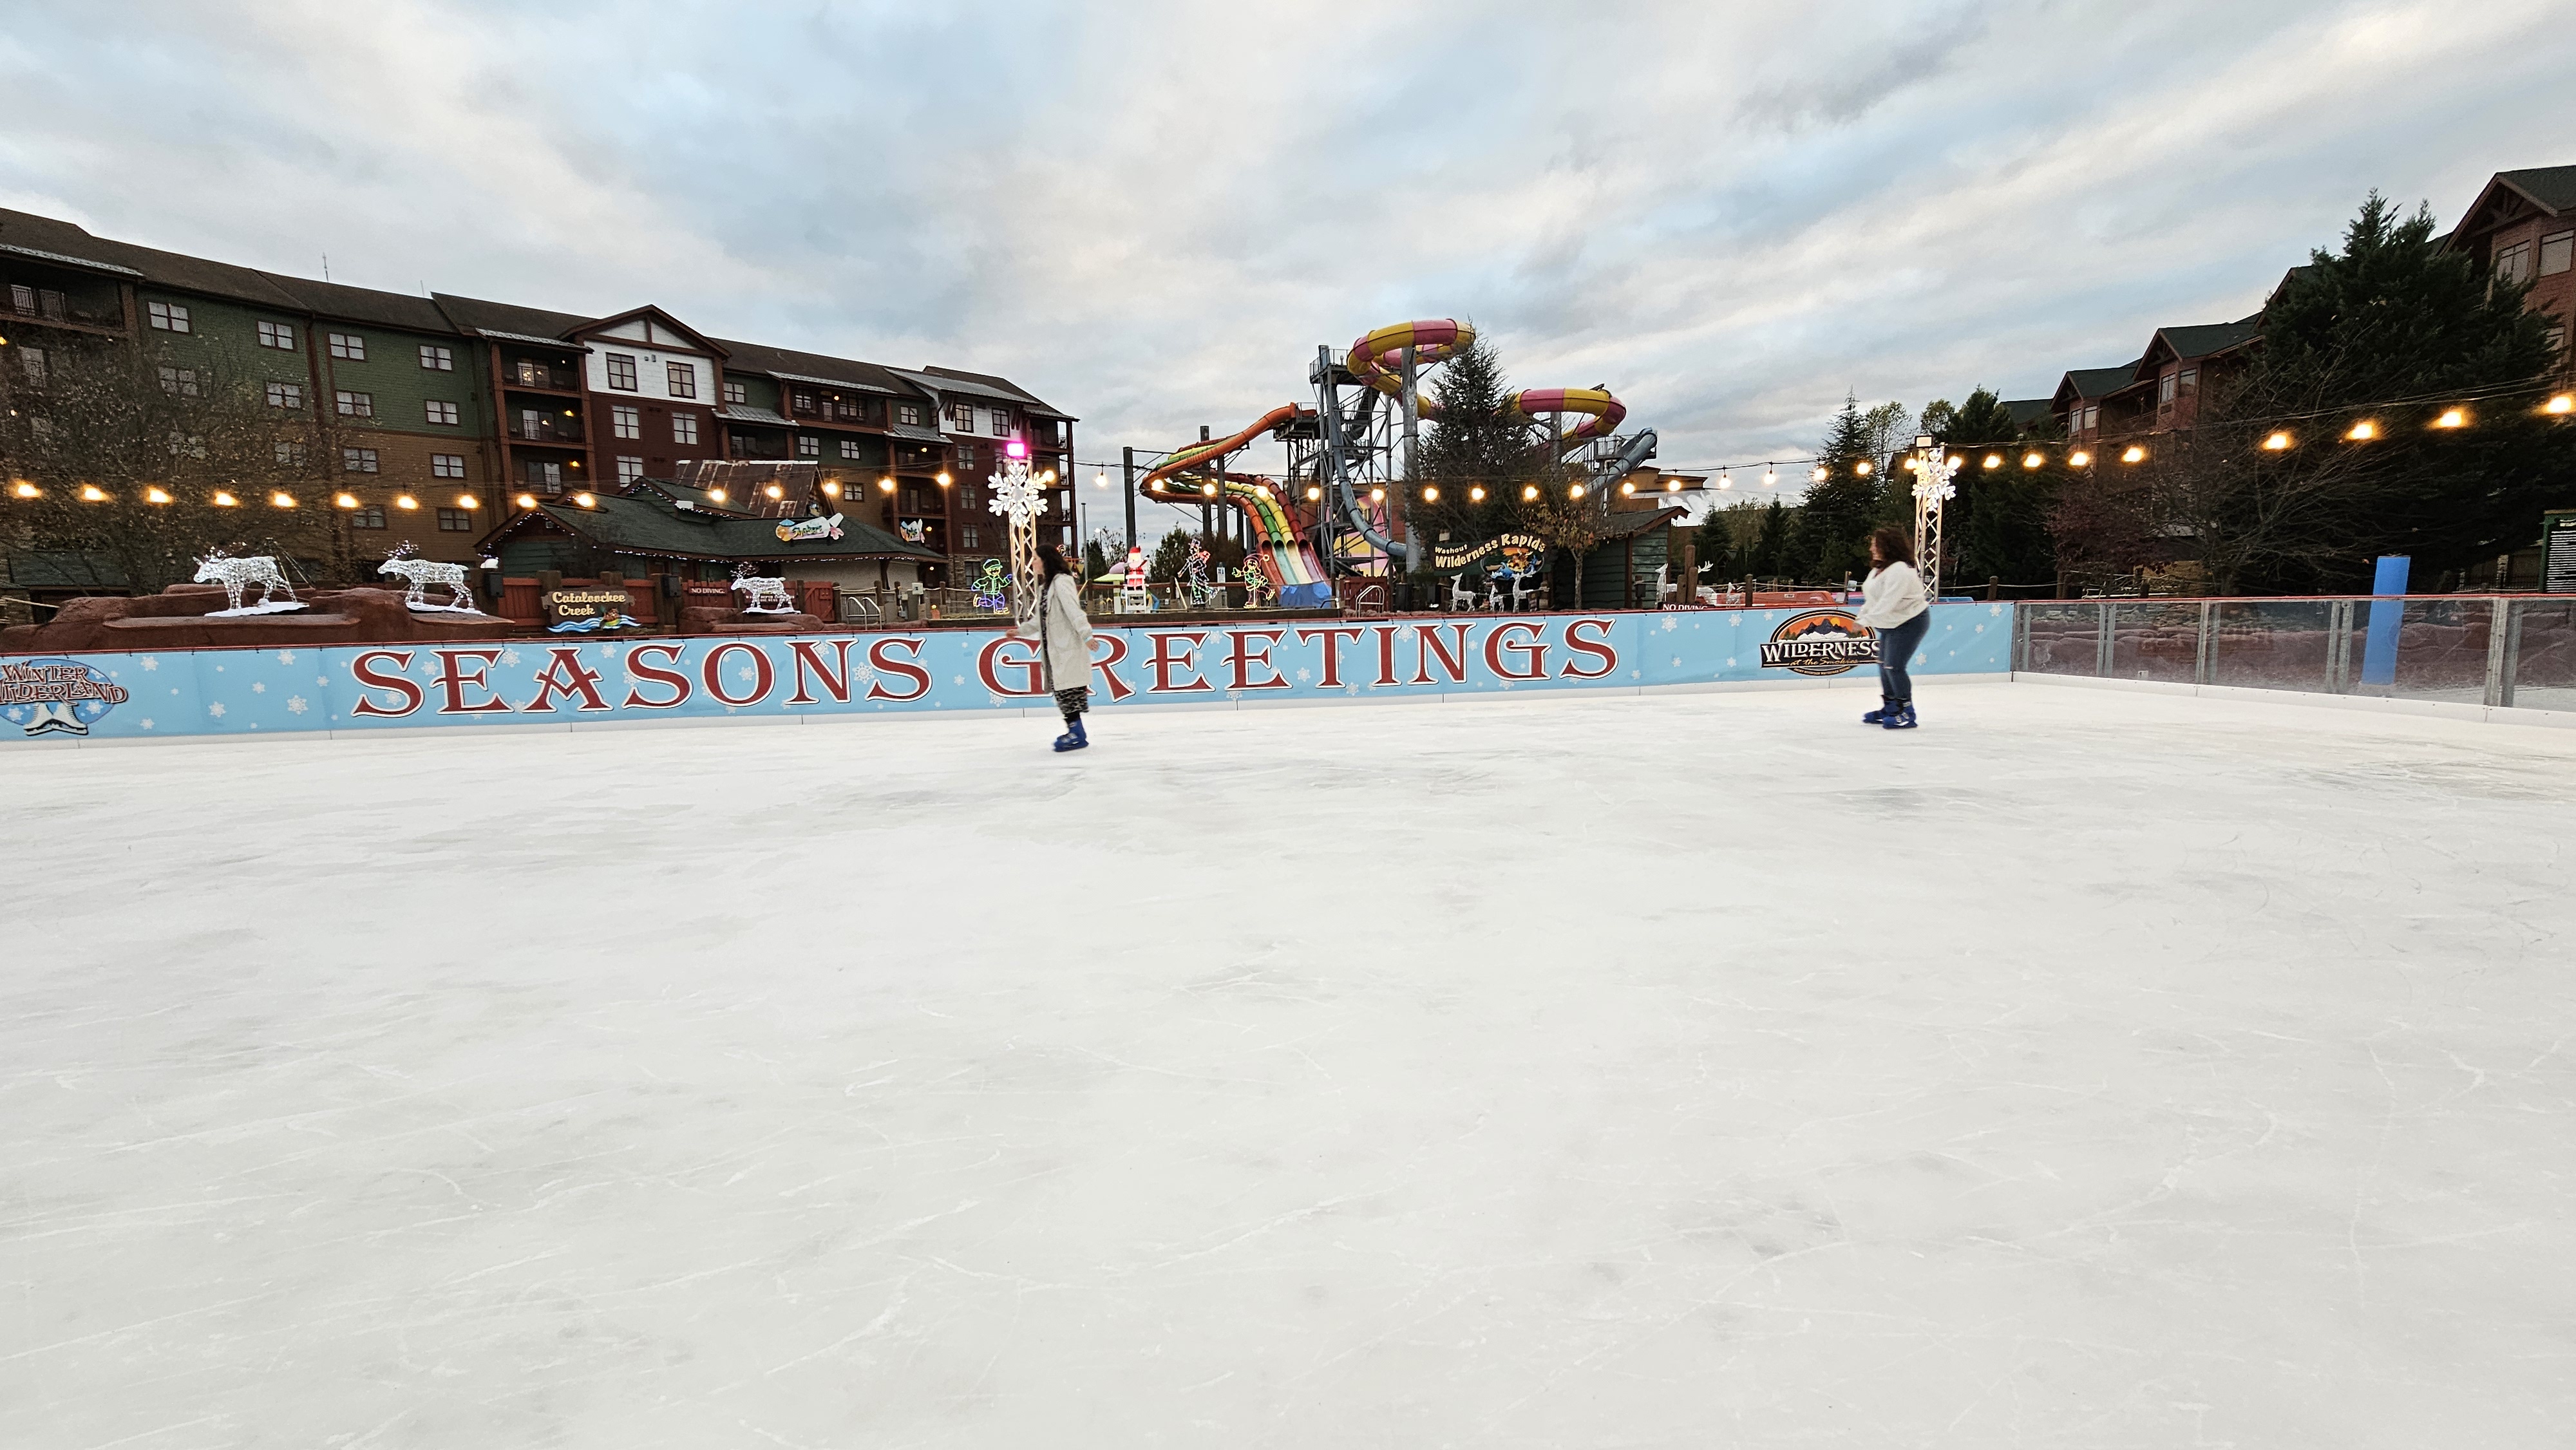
x=1933, y=471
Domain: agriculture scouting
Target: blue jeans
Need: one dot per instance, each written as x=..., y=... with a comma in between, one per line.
x=1896, y=645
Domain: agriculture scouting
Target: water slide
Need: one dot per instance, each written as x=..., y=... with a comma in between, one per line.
x=1277, y=549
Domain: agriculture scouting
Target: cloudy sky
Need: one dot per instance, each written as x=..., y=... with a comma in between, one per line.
x=1151, y=213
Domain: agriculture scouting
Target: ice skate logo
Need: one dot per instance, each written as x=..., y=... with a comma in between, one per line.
x=1819, y=642
x=56, y=697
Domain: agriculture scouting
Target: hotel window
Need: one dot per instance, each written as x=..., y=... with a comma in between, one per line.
x=167, y=316
x=348, y=345
x=801, y=402
x=2556, y=253
x=532, y=374
x=2190, y=379
x=2092, y=414
x=629, y=469
x=1001, y=421
x=286, y=395
x=961, y=417
x=447, y=465
x=684, y=427
x=455, y=521
x=735, y=394
x=22, y=300
x=809, y=446
x=908, y=414
x=2513, y=264
x=437, y=359
x=968, y=535
x=439, y=412
x=966, y=458
x=2557, y=337
x=626, y=422
x=849, y=448
x=546, y=476
x=290, y=452
x=277, y=335
x=355, y=405
x=2165, y=388
x=357, y=460
x=370, y=517
x=684, y=379
x=31, y=361
x=179, y=382
x=621, y=372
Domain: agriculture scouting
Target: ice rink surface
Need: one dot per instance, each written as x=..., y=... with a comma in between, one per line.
x=2084, y=1069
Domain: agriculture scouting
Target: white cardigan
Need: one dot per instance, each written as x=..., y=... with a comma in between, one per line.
x=1063, y=633
x=1891, y=596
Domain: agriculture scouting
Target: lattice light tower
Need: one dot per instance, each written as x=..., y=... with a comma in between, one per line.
x=1019, y=498
x=1934, y=469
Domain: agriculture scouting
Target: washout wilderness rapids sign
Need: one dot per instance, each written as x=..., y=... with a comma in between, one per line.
x=1819, y=642
x=56, y=697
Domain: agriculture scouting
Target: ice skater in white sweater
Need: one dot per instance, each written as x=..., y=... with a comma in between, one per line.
x=1894, y=608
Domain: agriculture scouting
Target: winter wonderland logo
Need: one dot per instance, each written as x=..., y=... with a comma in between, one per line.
x=1819, y=642
x=56, y=697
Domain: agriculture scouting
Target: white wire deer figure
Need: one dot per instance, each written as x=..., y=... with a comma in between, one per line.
x=422, y=573
x=762, y=595
x=238, y=574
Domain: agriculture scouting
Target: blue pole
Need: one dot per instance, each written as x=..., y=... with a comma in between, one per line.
x=2387, y=611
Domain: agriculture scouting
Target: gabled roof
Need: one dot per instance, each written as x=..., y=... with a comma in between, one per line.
x=2201, y=339
x=650, y=315
x=2551, y=188
x=976, y=385
x=2510, y=196
x=1624, y=522
x=648, y=525
x=519, y=324
x=2025, y=412
x=812, y=367
x=165, y=269
x=2084, y=385
x=687, y=498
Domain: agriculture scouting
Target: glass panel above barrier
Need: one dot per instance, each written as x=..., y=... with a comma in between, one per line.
x=2274, y=644
x=2062, y=637
x=2540, y=655
x=2155, y=642
x=2440, y=649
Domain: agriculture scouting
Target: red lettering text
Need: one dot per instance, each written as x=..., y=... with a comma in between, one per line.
x=644, y=674
x=1163, y=661
x=1385, y=653
x=1332, y=650
x=453, y=681
x=905, y=668
x=1116, y=640
x=990, y=664
x=763, y=674
x=804, y=653
x=1533, y=651
x=1453, y=665
x=1600, y=650
x=564, y=676
x=364, y=667
x=1240, y=659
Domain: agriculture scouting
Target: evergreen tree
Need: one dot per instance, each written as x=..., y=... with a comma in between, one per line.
x=1770, y=553
x=1476, y=439
x=1171, y=557
x=1831, y=541
x=1095, y=560
x=1713, y=549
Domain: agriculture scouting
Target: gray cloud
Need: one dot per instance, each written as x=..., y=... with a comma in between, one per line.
x=1152, y=212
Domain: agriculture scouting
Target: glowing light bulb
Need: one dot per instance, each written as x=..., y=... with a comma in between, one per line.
x=2278, y=441
x=1476, y=494
x=942, y=480
x=468, y=502
x=1861, y=469
x=1100, y=479
x=224, y=500
x=1770, y=478
x=1820, y=474
x=92, y=493
x=832, y=489
x=2452, y=418
x=1016, y=449
x=1047, y=478
x=2032, y=460
x=583, y=499
x=281, y=499
x=405, y=501
x=23, y=489
x=1994, y=460
x=156, y=494
x=2363, y=431
x=527, y=500
x=1313, y=493
x=2078, y=458
x=1575, y=492
x=1529, y=491
x=1431, y=493
x=1377, y=495
x=886, y=485
x=344, y=500
x=2133, y=454
x=774, y=491
x=2562, y=405
x=1627, y=490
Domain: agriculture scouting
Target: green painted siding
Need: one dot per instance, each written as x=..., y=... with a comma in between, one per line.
x=401, y=387
x=758, y=392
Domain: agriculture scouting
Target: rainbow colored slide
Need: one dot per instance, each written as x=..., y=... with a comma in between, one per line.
x=1277, y=550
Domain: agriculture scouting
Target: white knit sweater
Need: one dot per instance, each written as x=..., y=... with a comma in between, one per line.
x=1891, y=596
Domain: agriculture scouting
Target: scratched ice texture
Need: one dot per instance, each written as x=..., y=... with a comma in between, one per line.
x=2083, y=1069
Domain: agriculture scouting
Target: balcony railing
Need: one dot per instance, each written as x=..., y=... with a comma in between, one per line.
x=548, y=430
x=538, y=375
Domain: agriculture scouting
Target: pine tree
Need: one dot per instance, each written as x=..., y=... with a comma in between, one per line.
x=1831, y=541
x=1095, y=560
x=1769, y=557
x=1476, y=439
x=1171, y=557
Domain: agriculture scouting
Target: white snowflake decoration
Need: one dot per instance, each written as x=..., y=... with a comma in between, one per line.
x=1016, y=496
x=1933, y=474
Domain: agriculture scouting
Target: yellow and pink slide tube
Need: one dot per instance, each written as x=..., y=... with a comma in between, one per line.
x=1601, y=412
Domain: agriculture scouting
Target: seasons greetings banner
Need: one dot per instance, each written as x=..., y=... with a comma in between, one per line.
x=562, y=681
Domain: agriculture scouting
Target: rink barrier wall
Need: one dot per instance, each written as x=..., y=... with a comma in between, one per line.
x=556, y=682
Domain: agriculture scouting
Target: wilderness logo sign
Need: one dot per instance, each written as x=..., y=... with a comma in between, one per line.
x=1819, y=642
x=584, y=679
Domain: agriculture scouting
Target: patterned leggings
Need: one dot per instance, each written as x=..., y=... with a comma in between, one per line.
x=1073, y=702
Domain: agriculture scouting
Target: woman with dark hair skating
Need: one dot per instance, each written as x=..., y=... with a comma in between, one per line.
x=1063, y=633
x=1894, y=608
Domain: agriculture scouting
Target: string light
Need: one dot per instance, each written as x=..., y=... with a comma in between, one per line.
x=1431, y=493
x=92, y=493
x=886, y=485
x=830, y=487
x=527, y=500
x=2452, y=418
x=717, y=494
x=1314, y=493
x=1861, y=469
x=1627, y=490
x=1377, y=495
x=1208, y=489
x=2278, y=441
x=405, y=501
x=774, y=491
x=1726, y=480
x=2078, y=459
x=1477, y=494
x=1672, y=485
x=224, y=500
x=1529, y=491
x=23, y=489
x=1820, y=473
x=156, y=494
x=2133, y=454
x=942, y=481
x=344, y=500
x=1575, y=492
x=2561, y=405
x=281, y=499
x=1770, y=478
x=468, y=502
x=1994, y=460
x=585, y=500
x=2032, y=460
x=2363, y=431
